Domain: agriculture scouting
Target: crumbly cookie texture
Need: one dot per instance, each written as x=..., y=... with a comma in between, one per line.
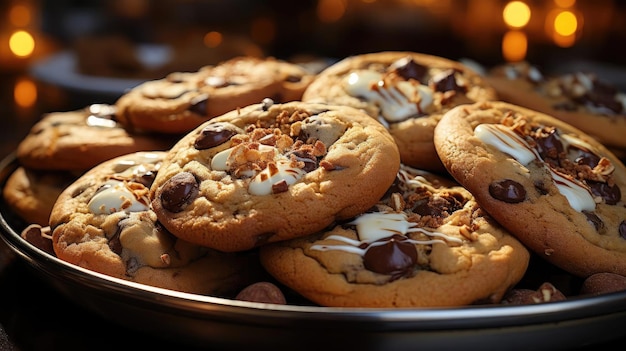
x=406, y=91
x=270, y=172
x=182, y=101
x=426, y=243
x=557, y=189
x=103, y=222
x=579, y=98
x=79, y=140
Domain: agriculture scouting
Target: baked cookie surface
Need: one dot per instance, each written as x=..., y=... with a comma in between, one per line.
x=555, y=188
x=425, y=244
x=406, y=91
x=103, y=222
x=182, y=101
x=579, y=98
x=81, y=139
x=32, y=193
x=270, y=172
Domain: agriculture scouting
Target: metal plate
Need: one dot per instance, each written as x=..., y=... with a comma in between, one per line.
x=204, y=320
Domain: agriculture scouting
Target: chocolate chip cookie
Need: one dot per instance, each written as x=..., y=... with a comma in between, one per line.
x=581, y=99
x=406, y=91
x=81, y=139
x=103, y=222
x=271, y=172
x=557, y=189
x=182, y=101
x=426, y=243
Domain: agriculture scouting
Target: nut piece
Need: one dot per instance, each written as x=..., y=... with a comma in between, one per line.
x=545, y=293
x=265, y=292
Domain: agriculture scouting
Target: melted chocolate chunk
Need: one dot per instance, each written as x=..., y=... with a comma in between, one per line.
x=447, y=82
x=409, y=69
x=199, y=105
x=114, y=242
x=507, y=190
x=585, y=157
x=212, y=135
x=437, y=206
x=550, y=147
x=610, y=193
x=594, y=220
x=395, y=256
x=602, y=95
x=179, y=191
x=622, y=229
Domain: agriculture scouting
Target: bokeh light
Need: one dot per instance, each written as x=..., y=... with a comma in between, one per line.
x=565, y=23
x=22, y=43
x=516, y=14
x=25, y=93
x=514, y=46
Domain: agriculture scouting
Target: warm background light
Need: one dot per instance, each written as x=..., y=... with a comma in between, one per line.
x=213, y=39
x=516, y=14
x=564, y=3
x=565, y=23
x=25, y=93
x=331, y=10
x=22, y=43
x=514, y=46
x=20, y=16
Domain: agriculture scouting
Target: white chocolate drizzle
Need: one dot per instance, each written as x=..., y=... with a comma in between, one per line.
x=397, y=100
x=372, y=227
x=505, y=140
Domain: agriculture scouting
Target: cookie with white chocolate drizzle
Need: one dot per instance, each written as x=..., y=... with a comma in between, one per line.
x=580, y=98
x=271, y=172
x=554, y=187
x=406, y=91
x=103, y=222
x=426, y=243
x=181, y=101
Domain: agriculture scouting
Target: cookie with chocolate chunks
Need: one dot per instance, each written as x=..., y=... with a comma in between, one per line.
x=270, y=172
x=426, y=243
x=557, y=189
x=81, y=139
x=406, y=91
x=103, y=222
x=181, y=101
x=582, y=99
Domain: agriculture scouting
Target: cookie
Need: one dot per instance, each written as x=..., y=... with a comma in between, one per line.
x=81, y=139
x=425, y=244
x=32, y=193
x=182, y=101
x=103, y=222
x=579, y=98
x=406, y=91
x=271, y=172
x=557, y=189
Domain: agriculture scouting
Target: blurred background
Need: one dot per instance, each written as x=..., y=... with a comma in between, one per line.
x=64, y=54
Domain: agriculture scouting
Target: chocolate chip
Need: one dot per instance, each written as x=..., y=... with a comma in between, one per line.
x=549, y=146
x=594, y=220
x=212, y=135
x=407, y=68
x=610, y=193
x=199, y=105
x=395, y=256
x=179, y=191
x=507, y=190
x=622, y=229
x=446, y=81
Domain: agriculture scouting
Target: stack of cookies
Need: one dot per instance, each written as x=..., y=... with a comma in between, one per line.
x=390, y=179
